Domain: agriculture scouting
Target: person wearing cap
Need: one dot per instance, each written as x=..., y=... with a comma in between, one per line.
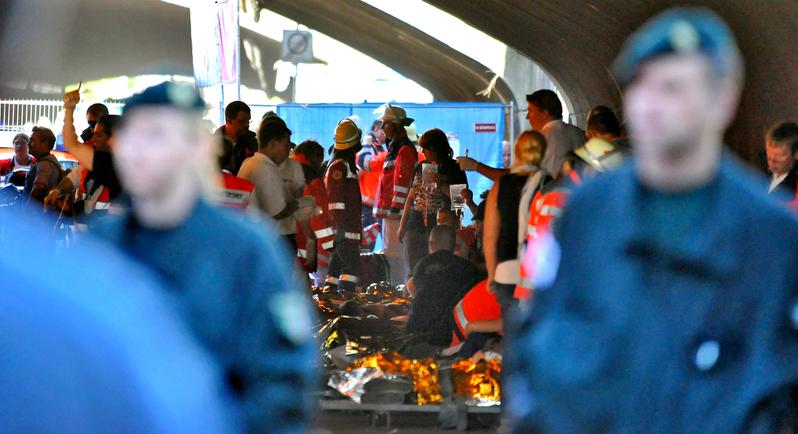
x=672, y=306
x=395, y=180
x=229, y=273
x=343, y=194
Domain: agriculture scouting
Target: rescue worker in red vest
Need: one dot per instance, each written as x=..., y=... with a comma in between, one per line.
x=394, y=186
x=343, y=194
x=595, y=156
x=369, y=164
x=310, y=154
x=478, y=312
x=235, y=192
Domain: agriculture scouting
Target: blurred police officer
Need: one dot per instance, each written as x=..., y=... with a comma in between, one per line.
x=240, y=301
x=674, y=309
x=101, y=353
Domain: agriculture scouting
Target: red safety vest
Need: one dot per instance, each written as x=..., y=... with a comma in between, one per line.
x=321, y=225
x=479, y=304
x=105, y=194
x=397, y=175
x=544, y=208
x=343, y=195
x=369, y=162
x=236, y=191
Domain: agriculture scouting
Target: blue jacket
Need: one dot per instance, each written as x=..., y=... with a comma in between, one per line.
x=234, y=282
x=95, y=349
x=640, y=334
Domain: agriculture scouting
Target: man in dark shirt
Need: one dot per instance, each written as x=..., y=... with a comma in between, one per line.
x=440, y=280
x=47, y=172
x=781, y=147
x=232, y=277
x=237, y=117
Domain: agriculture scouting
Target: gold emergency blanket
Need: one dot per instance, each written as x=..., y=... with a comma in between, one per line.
x=424, y=373
x=477, y=379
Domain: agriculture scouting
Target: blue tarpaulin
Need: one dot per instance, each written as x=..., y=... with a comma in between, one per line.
x=477, y=127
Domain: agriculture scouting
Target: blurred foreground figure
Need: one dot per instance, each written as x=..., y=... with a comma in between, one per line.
x=98, y=355
x=674, y=307
x=233, y=278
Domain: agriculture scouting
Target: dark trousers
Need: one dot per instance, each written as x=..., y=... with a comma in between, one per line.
x=345, y=265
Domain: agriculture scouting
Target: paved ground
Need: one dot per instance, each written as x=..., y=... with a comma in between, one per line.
x=347, y=422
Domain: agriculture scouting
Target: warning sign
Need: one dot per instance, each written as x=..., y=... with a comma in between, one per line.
x=484, y=128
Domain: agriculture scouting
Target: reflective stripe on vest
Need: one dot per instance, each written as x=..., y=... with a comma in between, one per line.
x=326, y=232
x=352, y=236
x=336, y=205
x=349, y=278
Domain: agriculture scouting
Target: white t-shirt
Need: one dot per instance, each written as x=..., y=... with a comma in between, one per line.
x=269, y=190
x=293, y=185
x=561, y=138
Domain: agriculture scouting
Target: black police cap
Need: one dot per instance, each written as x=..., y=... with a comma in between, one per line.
x=680, y=31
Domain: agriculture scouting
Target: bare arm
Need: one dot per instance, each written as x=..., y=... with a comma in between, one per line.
x=83, y=152
x=490, y=234
x=487, y=326
x=491, y=173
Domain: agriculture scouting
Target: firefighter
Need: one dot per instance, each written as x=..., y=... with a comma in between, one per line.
x=343, y=193
x=397, y=174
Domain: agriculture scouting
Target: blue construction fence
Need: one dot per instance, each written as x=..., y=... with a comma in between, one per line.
x=477, y=128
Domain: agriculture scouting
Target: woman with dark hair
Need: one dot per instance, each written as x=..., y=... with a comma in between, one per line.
x=94, y=181
x=429, y=193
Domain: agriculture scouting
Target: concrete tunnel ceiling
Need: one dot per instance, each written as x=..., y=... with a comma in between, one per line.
x=159, y=34
x=575, y=41
x=88, y=40
x=448, y=74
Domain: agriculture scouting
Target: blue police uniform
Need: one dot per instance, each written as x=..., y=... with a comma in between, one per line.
x=669, y=313
x=234, y=284
x=96, y=355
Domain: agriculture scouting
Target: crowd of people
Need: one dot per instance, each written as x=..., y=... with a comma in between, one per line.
x=681, y=246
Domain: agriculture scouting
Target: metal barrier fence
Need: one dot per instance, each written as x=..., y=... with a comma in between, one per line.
x=20, y=115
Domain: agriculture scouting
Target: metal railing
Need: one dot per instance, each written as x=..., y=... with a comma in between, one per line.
x=20, y=115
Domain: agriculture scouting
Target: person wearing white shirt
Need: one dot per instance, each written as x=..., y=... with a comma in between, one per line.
x=781, y=147
x=262, y=169
x=544, y=112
